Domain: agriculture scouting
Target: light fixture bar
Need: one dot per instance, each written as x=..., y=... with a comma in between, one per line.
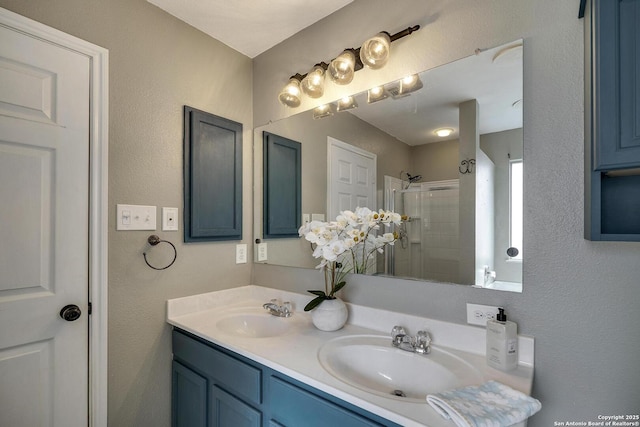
x=356, y=51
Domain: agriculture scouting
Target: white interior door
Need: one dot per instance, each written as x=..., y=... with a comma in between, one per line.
x=352, y=178
x=44, y=211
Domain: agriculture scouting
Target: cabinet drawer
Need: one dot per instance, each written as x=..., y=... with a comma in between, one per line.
x=230, y=373
x=293, y=406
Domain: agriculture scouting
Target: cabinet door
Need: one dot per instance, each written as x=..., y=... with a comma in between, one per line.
x=228, y=411
x=616, y=44
x=189, y=398
x=292, y=406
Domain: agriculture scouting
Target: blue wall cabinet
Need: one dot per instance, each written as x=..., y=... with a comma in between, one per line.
x=612, y=120
x=282, y=170
x=215, y=387
x=212, y=177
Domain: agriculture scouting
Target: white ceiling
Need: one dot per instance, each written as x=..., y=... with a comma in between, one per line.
x=250, y=26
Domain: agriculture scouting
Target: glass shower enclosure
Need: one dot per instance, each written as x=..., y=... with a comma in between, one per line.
x=428, y=245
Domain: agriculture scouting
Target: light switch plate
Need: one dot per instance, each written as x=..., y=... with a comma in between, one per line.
x=317, y=217
x=241, y=253
x=135, y=217
x=169, y=219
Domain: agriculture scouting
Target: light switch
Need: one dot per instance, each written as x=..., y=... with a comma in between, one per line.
x=126, y=217
x=135, y=217
x=317, y=217
x=169, y=219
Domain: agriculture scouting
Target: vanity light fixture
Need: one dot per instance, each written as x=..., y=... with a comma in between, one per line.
x=409, y=84
x=290, y=95
x=376, y=94
x=374, y=53
x=342, y=69
x=347, y=103
x=325, y=110
x=313, y=82
x=444, y=132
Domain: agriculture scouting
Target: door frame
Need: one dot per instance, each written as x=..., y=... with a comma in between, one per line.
x=98, y=199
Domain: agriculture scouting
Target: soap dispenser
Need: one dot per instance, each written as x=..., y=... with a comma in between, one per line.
x=502, y=342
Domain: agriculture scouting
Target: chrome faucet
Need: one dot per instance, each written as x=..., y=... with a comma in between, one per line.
x=276, y=309
x=421, y=343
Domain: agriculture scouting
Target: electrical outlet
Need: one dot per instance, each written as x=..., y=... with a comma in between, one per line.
x=262, y=252
x=478, y=314
x=241, y=253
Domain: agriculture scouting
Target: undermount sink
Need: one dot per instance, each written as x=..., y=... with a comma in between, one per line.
x=255, y=323
x=370, y=363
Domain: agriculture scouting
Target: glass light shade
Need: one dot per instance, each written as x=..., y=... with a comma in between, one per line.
x=290, y=95
x=376, y=94
x=342, y=69
x=322, y=111
x=347, y=103
x=410, y=84
x=313, y=83
x=375, y=52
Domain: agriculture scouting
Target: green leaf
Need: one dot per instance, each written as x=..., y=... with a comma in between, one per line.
x=318, y=293
x=315, y=302
x=338, y=286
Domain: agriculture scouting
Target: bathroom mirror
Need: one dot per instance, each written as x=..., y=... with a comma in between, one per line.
x=464, y=210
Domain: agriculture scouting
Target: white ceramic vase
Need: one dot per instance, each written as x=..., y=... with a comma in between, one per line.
x=330, y=315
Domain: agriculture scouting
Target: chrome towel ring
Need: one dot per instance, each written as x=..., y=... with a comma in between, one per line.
x=154, y=240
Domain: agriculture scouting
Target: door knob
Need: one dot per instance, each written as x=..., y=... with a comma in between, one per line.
x=70, y=312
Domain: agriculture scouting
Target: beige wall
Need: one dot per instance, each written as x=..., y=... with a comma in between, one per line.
x=157, y=64
x=580, y=298
x=437, y=161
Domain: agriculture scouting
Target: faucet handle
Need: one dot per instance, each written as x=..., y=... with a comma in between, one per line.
x=397, y=330
x=286, y=307
x=397, y=335
x=423, y=342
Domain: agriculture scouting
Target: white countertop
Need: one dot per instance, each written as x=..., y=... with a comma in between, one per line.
x=296, y=354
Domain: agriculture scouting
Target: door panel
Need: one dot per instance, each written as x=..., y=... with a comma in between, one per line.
x=44, y=211
x=352, y=175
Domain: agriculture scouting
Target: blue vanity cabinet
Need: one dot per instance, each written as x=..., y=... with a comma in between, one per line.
x=297, y=405
x=189, y=397
x=206, y=380
x=612, y=120
x=215, y=387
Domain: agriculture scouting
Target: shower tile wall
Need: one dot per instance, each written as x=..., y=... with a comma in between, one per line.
x=440, y=228
x=432, y=247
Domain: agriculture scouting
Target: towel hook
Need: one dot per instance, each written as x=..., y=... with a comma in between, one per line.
x=154, y=240
x=466, y=166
